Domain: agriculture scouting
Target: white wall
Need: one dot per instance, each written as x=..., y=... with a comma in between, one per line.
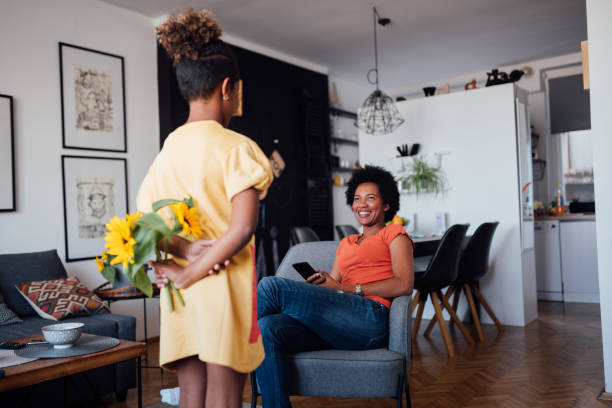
x=477, y=130
x=599, y=15
x=538, y=106
x=29, y=71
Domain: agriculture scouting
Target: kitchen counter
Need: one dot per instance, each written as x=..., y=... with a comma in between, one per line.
x=566, y=217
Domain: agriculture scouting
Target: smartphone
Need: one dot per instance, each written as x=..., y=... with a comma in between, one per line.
x=304, y=269
x=7, y=345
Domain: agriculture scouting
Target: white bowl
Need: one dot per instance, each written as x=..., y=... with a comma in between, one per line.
x=62, y=335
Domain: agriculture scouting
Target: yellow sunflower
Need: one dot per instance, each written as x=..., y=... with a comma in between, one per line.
x=100, y=264
x=188, y=218
x=100, y=261
x=120, y=242
x=132, y=218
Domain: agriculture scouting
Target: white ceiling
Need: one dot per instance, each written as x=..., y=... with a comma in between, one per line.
x=427, y=39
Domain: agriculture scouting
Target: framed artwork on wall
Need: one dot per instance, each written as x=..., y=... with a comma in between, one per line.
x=7, y=155
x=93, y=99
x=95, y=190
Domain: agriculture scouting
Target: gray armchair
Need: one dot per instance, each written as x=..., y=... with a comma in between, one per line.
x=302, y=234
x=378, y=373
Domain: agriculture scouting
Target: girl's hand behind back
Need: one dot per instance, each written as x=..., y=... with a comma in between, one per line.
x=173, y=271
x=198, y=248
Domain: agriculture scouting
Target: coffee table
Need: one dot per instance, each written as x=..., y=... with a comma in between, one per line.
x=46, y=369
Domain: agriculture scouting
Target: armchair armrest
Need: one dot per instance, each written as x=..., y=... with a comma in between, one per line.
x=400, y=322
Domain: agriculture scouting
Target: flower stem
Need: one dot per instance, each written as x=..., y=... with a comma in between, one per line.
x=168, y=287
x=169, y=297
x=178, y=294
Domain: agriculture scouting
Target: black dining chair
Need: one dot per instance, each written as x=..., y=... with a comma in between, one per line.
x=346, y=230
x=473, y=265
x=302, y=234
x=440, y=273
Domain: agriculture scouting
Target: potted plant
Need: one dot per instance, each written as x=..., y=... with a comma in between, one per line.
x=420, y=177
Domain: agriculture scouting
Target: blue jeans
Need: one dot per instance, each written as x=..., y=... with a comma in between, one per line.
x=298, y=316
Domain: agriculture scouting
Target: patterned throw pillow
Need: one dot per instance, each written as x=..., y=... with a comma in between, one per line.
x=62, y=298
x=7, y=316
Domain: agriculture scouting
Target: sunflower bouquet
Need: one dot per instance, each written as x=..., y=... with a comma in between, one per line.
x=133, y=240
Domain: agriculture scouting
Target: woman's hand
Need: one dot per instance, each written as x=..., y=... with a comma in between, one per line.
x=323, y=278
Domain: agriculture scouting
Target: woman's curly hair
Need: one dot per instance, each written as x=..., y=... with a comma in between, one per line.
x=202, y=59
x=387, y=186
x=183, y=35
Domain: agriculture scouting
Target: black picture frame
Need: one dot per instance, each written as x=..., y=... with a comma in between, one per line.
x=92, y=85
x=101, y=178
x=7, y=155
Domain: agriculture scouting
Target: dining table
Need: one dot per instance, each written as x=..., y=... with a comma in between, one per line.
x=425, y=246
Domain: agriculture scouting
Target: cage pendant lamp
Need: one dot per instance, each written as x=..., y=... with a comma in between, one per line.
x=378, y=114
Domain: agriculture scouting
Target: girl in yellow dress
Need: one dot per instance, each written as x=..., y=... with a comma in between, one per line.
x=212, y=341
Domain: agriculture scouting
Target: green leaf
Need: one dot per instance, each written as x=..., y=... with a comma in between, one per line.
x=152, y=221
x=423, y=178
x=146, y=243
x=177, y=225
x=109, y=274
x=141, y=281
x=189, y=202
x=162, y=203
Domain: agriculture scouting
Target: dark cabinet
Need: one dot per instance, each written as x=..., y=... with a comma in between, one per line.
x=285, y=108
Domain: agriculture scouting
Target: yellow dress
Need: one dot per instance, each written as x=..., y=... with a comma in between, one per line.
x=219, y=320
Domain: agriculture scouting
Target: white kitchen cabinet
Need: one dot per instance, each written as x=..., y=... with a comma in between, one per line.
x=579, y=261
x=548, y=260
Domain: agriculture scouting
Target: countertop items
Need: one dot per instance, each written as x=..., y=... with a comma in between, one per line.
x=566, y=217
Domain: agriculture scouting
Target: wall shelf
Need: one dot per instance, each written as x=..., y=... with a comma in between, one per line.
x=340, y=140
x=343, y=113
x=343, y=169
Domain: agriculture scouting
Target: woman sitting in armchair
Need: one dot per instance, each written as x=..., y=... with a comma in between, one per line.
x=347, y=308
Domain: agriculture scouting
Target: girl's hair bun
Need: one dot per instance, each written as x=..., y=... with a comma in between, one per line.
x=185, y=34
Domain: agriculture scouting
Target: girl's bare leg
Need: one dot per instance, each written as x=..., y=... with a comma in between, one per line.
x=224, y=387
x=191, y=374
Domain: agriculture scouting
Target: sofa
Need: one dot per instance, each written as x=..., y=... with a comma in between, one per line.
x=116, y=378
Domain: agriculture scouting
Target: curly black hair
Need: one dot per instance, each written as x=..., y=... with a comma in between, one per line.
x=386, y=185
x=201, y=58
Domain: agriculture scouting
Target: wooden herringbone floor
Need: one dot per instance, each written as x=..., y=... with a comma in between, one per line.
x=556, y=361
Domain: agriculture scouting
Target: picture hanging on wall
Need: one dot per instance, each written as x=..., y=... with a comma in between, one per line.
x=7, y=155
x=93, y=99
x=95, y=190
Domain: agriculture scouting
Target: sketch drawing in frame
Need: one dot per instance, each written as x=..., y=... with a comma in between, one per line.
x=93, y=99
x=95, y=190
x=7, y=155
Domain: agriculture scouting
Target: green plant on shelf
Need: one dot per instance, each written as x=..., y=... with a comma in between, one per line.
x=420, y=177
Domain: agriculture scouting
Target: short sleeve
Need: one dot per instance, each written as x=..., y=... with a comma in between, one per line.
x=246, y=167
x=343, y=242
x=392, y=231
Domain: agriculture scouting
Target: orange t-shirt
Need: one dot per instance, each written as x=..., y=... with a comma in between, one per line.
x=369, y=261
